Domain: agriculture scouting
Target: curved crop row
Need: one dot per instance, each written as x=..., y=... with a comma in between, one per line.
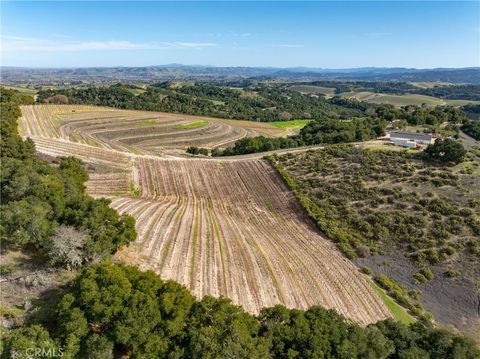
x=56, y=147
x=219, y=227
x=135, y=131
x=234, y=229
x=119, y=183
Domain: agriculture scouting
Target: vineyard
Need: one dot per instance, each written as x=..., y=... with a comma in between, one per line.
x=135, y=131
x=219, y=227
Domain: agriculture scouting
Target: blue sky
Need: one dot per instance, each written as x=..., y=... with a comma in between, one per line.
x=281, y=34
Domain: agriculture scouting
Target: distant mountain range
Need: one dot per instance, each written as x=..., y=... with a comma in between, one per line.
x=150, y=74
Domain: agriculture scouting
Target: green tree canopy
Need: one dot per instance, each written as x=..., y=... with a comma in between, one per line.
x=445, y=151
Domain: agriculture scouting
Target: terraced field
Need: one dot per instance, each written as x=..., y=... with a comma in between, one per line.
x=136, y=131
x=220, y=227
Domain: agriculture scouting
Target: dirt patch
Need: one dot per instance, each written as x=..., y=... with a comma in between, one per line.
x=452, y=301
x=27, y=283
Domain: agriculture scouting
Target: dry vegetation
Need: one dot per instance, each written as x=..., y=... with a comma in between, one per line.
x=219, y=227
x=413, y=221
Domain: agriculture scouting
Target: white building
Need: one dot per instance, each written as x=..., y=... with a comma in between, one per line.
x=410, y=139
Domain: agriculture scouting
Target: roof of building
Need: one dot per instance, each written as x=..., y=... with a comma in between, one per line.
x=411, y=135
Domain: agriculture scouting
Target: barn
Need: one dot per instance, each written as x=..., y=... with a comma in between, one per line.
x=410, y=139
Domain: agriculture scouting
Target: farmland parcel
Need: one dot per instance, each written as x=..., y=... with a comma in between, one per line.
x=220, y=227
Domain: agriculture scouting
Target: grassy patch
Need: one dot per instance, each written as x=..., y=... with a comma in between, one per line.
x=146, y=122
x=9, y=311
x=290, y=124
x=137, y=92
x=469, y=167
x=192, y=125
x=136, y=151
x=382, y=147
x=429, y=85
x=399, y=313
x=134, y=191
x=93, y=143
x=217, y=102
x=417, y=129
x=460, y=102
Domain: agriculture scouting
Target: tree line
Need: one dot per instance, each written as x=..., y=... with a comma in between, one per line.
x=333, y=131
x=472, y=128
x=113, y=310
x=255, y=103
x=261, y=103
x=45, y=209
x=324, y=131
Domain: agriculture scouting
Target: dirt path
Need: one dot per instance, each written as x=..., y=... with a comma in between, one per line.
x=468, y=141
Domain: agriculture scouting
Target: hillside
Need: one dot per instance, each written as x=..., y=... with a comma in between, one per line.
x=136, y=131
x=227, y=228
x=246, y=247
x=149, y=74
x=416, y=222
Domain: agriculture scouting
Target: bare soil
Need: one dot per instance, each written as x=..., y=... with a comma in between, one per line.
x=454, y=302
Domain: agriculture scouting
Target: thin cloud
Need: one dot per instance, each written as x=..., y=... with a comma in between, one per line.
x=60, y=36
x=192, y=45
x=290, y=46
x=16, y=43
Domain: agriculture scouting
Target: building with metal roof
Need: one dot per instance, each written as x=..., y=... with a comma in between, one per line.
x=410, y=139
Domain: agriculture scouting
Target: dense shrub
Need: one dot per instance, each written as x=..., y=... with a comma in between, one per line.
x=357, y=199
x=450, y=273
x=197, y=151
x=367, y=270
x=445, y=151
x=472, y=128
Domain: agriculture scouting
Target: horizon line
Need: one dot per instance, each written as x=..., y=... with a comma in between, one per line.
x=243, y=66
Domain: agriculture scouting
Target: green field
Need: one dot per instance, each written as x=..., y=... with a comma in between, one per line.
x=290, y=124
x=460, y=102
x=24, y=90
x=192, y=125
x=399, y=313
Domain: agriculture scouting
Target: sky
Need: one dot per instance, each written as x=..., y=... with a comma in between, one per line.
x=280, y=34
